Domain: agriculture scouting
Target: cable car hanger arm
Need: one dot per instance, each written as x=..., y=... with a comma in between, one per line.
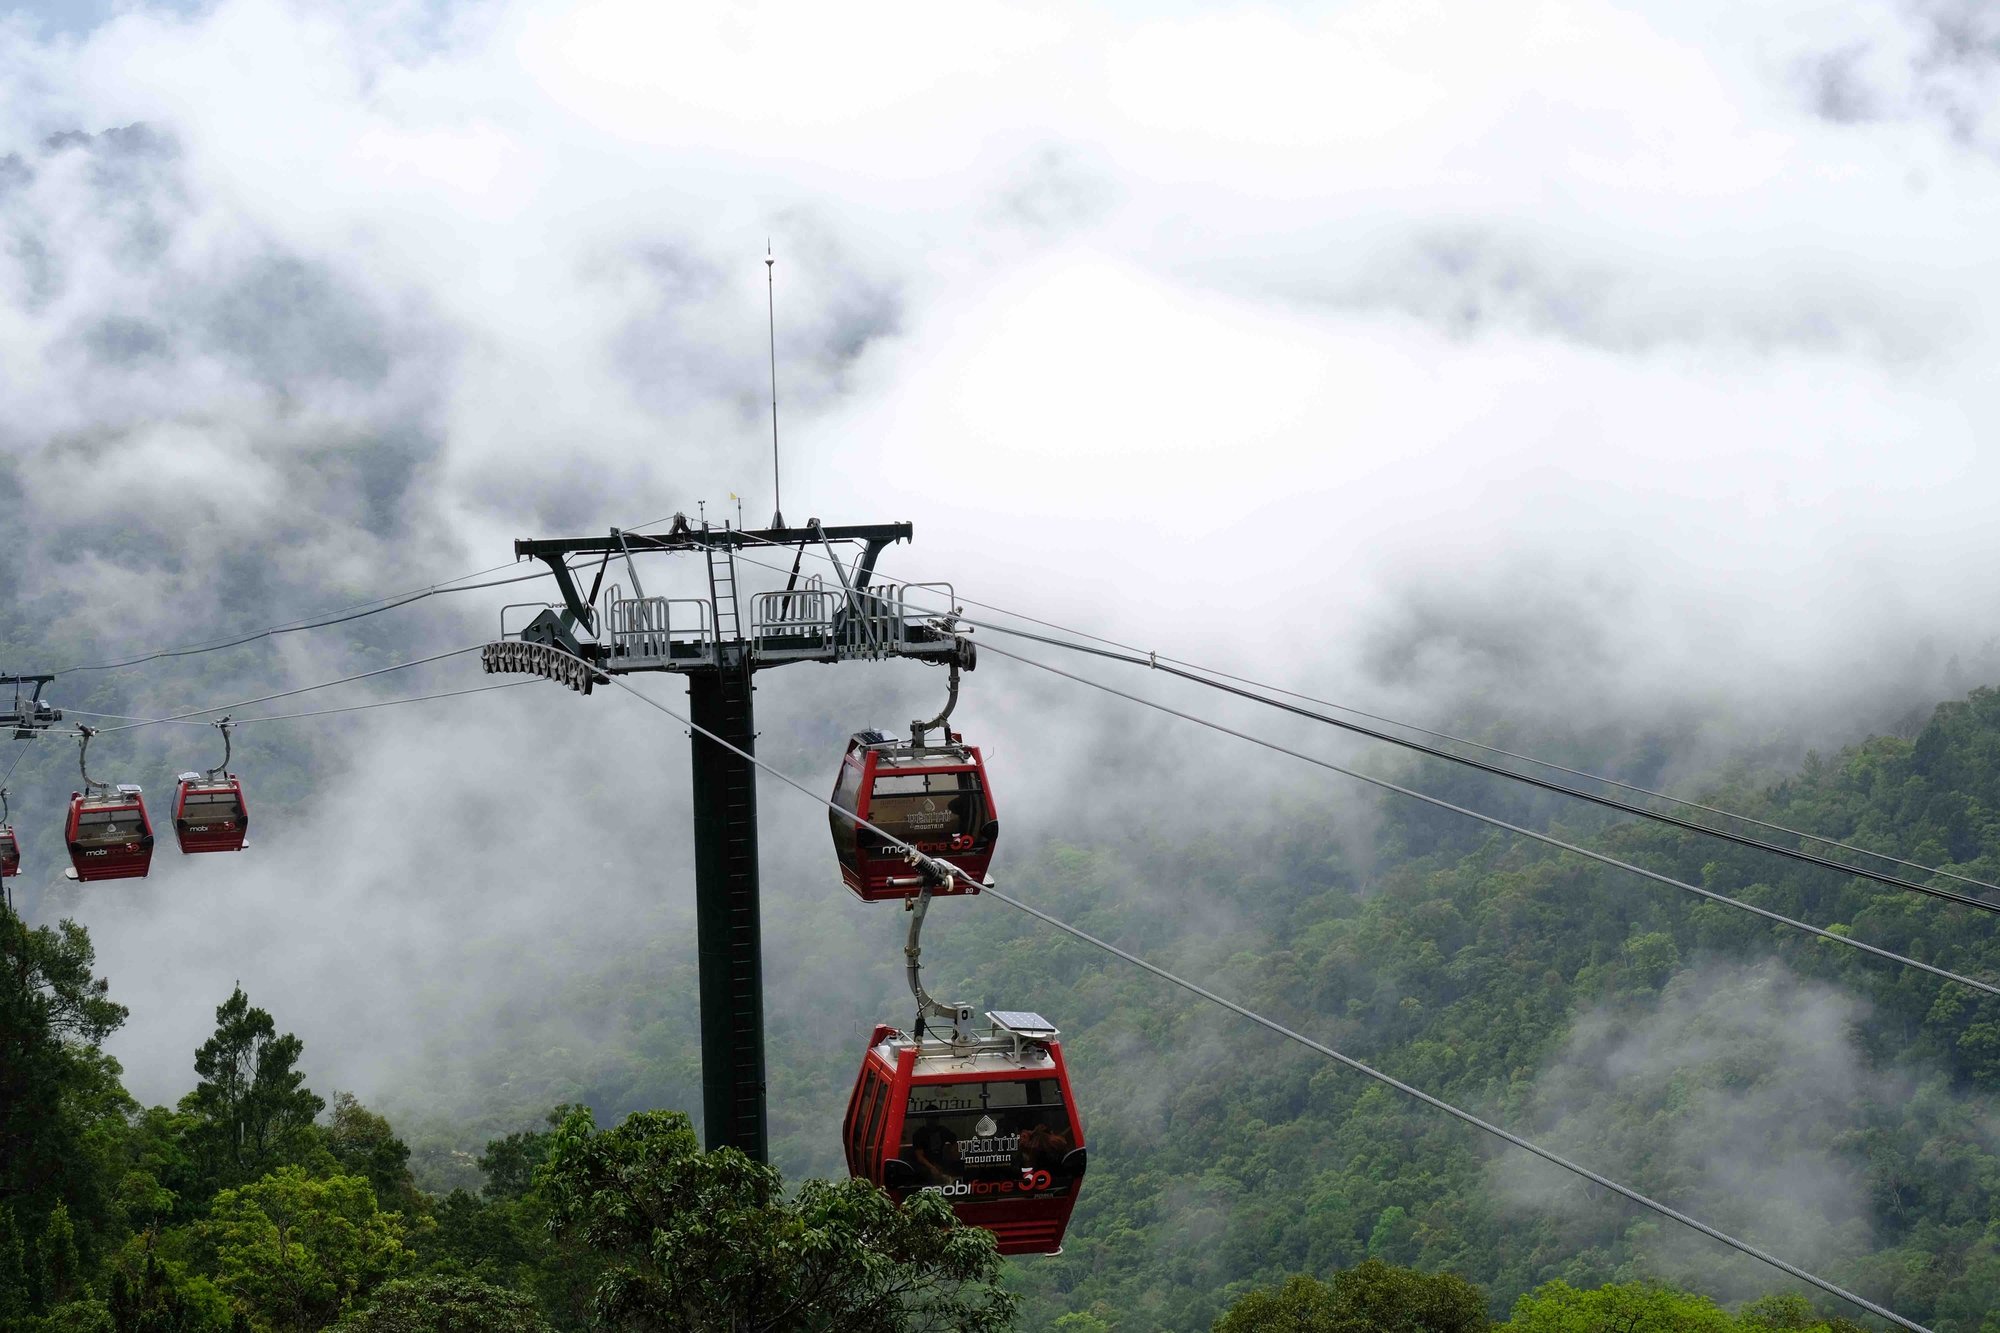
x=920, y=731
x=90, y=784
x=221, y=770
x=958, y=1015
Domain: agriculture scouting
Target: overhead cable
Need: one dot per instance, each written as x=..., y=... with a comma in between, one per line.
x=400, y=600
x=1369, y=1071
x=1674, y=821
x=1548, y=839
x=1172, y=665
x=339, y=616
x=286, y=717
x=127, y=717
x=303, y=689
x=383, y=703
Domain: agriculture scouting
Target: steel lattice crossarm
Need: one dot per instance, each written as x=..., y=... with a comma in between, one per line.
x=811, y=619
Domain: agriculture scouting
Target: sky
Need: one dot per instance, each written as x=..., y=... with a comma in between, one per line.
x=1618, y=374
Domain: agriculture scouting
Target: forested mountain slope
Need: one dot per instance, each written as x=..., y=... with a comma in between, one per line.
x=1838, y=1109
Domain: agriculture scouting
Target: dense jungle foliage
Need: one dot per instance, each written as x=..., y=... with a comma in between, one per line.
x=1836, y=1108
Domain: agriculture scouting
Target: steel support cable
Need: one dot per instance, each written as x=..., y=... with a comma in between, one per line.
x=401, y=600
x=1548, y=839
x=1547, y=1155
x=1609, y=802
x=382, y=703
x=303, y=689
x=1156, y=661
x=1153, y=658
x=286, y=717
x=1215, y=679
x=128, y=717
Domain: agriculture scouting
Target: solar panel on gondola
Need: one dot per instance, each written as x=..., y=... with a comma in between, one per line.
x=987, y=1123
x=933, y=797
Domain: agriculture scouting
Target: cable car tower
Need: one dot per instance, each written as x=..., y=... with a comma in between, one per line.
x=707, y=640
x=27, y=714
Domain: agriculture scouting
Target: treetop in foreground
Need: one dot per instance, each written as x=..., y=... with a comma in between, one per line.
x=708, y=1242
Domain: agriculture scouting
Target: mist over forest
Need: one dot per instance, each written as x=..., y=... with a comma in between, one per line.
x=1606, y=382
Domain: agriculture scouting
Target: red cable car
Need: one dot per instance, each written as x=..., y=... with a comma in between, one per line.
x=989, y=1123
x=209, y=813
x=10, y=846
x=933, y=797
x=109, y=835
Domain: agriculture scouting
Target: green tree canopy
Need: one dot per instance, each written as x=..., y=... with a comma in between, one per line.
x=251, y=1105
x=59, y=1096
x=151, y=1294
x=509, y=1162
x=445, y=1305
x=1631, y=1307
x=364, y=1144
x=295, y=1252
x=707, y=1242
x=1370, y=1298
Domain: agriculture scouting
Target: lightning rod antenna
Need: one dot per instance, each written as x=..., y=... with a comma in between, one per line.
x=771, y=310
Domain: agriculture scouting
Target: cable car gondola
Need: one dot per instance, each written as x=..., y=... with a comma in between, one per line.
x=987, y=1121
x=209, y=813
x=933, y=797
x=10, y=846
x=108, y=833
